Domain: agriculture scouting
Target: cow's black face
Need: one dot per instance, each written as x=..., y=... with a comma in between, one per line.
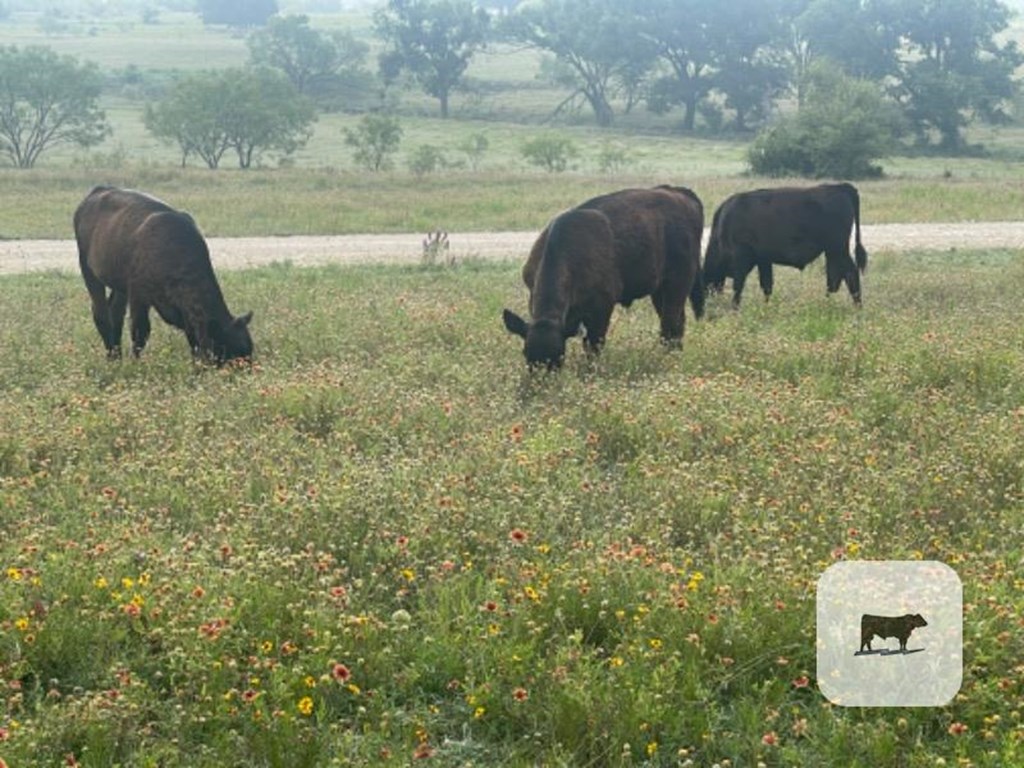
x=234, y=341
x=714, y=275
x=544, y=340
x=545, y=345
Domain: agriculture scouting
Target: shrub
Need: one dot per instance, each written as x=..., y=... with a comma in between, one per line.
x=426, y=159
x=375, y=140
x=841, y=128
x=614, y=157
x=474, y=146
x=552, y=153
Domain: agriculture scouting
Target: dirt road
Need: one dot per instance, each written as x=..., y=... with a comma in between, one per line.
x=18, y=256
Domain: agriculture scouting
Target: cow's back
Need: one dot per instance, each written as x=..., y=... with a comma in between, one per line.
x=128, y=237
x=789, y=225
x=106, y=224
x=657, y=235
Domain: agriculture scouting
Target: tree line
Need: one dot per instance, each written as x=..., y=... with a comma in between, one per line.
x=869, y=70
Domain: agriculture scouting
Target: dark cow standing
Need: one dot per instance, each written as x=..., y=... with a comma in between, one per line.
x=790, y=226
x=150, y=255
x=884, y=627
x=612, y=250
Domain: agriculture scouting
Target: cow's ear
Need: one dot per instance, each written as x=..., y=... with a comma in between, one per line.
x=514, y=323
x=244, y=319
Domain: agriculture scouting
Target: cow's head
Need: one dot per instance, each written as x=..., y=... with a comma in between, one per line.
x=232, y=341
x=715, y=268
x=917, y=620
x=545, y=340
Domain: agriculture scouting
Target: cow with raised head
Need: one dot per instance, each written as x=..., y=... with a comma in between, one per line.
x=791, y=226
x=610, y=250
x=150, y=255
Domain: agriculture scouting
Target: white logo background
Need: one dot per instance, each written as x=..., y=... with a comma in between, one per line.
x=930, y=673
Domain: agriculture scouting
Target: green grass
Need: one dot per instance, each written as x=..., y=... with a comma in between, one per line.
x=613, y=565
x=40, y=203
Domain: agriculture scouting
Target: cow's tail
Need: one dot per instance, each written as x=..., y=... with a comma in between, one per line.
x=859, y=252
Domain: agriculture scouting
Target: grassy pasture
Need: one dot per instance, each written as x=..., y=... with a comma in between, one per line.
x=389, y=541
x=40, y=203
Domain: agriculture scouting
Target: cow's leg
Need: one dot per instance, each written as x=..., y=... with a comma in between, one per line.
x=743, y=264
x=597, y=328
x=101, y=312
x=766, y=276
x=140, y=326
x=671, y=309
x=194, y=343
x=839, y=267
x=117, y=305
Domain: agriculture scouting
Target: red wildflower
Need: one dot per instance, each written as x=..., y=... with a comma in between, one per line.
x=341, y=673
x=770, y=739
x=520, y=694
x=518, y=535
x=423, y=751
x=957, y=729
x=801, y=682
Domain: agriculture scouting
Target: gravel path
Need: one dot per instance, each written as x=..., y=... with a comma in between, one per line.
x=240, y=252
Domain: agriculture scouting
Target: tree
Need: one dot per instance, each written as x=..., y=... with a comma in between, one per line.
x=375, y=140
x=841, y=129
x=252, y=111
x=431, y=40
x=751, y=73
x=308, y=57
x=861, y=36
x=47, y=100
x=237, y=13
x=678, y=29
x=596, y=41
x=189, y=117
x=264, y=113
x=956, y=67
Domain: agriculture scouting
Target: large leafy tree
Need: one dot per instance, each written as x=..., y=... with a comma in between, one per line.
x=597, y=42
x=188, y=116
x=679, y=31
x=731, y=48
x=251, y=111
x=307, y=56
x=745, y=37
x=861, y=36
x=46, y=101
x=431, y=40
x=958, y=68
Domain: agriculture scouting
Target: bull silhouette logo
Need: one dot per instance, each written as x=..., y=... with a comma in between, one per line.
x=885, y=627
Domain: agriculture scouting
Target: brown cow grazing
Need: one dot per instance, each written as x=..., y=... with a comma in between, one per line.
x=150, y=255
x=611, y=250
x=899, y=627
x=790, y=226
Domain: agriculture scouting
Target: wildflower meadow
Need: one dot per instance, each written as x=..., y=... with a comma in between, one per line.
x=387, y=541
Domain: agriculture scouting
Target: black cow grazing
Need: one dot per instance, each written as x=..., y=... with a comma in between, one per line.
x=790, y=226
x=884, y=627
x=150, y=255
x=612, y=250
